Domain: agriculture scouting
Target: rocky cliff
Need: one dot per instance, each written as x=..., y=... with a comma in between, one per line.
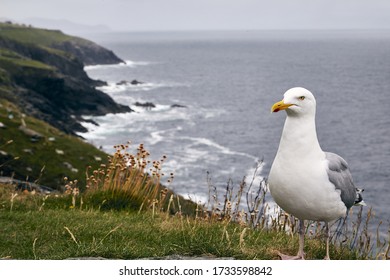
x=42, y=71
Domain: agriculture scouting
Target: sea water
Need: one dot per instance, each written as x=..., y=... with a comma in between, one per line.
x=225, y=84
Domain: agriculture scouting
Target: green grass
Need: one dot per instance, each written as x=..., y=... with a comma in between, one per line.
x=10, y=60
x=40, y=160
x=44, y=39
x=34, y=226
x=64, y=233
x=38, y=36
x=127, y=214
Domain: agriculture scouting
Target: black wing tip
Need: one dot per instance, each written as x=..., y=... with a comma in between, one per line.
x=359, y=198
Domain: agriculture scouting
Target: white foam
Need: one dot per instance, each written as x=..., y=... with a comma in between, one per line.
x=89, y=126
x=224, y=150
x=131, y=63
x=108, y=125
x=115, y=87
x=161, y=135
x=154, y=115
x=161, y=108
x=127, y=63
x=212, y=113
x=134, y=122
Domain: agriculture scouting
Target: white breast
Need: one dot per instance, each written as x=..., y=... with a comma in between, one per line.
x=301, y=187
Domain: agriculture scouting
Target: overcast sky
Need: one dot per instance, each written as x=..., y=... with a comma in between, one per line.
x=207, y=14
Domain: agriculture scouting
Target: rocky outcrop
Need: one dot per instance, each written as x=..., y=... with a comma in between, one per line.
x=26, y=186
x=62, y=100
x=133, y=83
x=178, y=106
x=46, y=77
x=89, y=53
x=146, y=105
x=68, y=65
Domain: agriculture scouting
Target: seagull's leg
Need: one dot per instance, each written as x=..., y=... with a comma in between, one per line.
x=327, y=240
x=301, y=253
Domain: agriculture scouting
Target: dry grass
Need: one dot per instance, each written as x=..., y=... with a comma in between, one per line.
x=126, y=179
x=153, y=221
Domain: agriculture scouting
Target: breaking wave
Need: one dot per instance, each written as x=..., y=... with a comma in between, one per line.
x=127, y=63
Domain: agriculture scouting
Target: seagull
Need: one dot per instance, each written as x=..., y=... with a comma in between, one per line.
x=305, y=181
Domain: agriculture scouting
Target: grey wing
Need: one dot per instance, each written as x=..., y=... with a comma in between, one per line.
x=341, y=177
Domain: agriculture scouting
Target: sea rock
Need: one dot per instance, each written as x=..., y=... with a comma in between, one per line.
x=122, y=83
x=135, y=82
x=178, y=106
x=147, y=105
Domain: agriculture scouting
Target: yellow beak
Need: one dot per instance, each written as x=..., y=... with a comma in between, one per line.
x=279, y=106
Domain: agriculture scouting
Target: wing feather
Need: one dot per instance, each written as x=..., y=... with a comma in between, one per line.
x=340, y=176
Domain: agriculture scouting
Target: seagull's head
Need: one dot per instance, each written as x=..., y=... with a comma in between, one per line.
x=297, y=101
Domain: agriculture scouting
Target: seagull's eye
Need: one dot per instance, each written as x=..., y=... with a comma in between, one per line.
x=301, y=98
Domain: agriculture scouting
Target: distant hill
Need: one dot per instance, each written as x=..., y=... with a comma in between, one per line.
x=42, y=71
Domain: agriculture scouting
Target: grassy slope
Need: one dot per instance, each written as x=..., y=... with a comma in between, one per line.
x=51, y=230
x=34, y=37
x=9, y=58
x=43, y=37
x=36, y=155
x=56, y=42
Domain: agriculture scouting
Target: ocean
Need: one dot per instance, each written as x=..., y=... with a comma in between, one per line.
x=213, y=91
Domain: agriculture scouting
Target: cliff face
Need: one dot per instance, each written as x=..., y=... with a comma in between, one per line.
x=90, y=53
x=42, y=71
